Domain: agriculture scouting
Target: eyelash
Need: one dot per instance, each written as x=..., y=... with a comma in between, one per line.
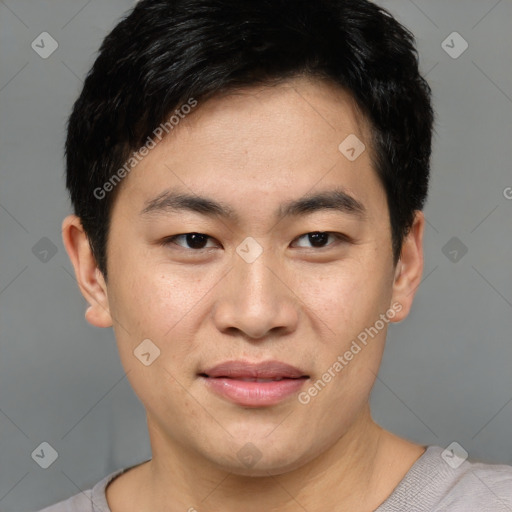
x=340, y=238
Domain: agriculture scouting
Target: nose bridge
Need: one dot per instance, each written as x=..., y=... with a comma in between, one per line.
x=255, y=285
x=254, y=300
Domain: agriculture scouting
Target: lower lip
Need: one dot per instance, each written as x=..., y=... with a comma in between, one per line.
x=254, y=394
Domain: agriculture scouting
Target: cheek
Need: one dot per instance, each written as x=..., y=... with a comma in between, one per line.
x=166, y=305
x=153, y=298
x=151, y=304
x=347, y=298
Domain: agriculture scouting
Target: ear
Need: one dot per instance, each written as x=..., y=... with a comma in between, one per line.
x=409, y=268
x=89, y=278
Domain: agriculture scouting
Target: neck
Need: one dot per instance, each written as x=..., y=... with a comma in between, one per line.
x=356, y=473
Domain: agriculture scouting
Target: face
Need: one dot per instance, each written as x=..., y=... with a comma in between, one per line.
x=268, y=276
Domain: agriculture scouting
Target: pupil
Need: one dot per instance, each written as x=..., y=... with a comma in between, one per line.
x=196, y=240
x=314, y=238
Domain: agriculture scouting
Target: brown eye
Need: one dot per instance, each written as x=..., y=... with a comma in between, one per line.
x=318, y=239
x=195, y=241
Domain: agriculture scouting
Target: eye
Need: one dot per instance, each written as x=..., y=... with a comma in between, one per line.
x=195, y=241
x=198, y=241
x=318, y=239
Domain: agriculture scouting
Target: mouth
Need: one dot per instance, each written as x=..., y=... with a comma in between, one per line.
x=253, y=379
x=254, y=384
x=246, y=370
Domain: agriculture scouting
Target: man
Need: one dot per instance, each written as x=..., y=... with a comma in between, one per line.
x=248, y=181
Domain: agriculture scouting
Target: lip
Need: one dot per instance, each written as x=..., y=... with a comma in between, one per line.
x=226, y=380
x=261, y=370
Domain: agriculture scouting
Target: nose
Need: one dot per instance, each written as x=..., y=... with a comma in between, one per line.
x=256, y=300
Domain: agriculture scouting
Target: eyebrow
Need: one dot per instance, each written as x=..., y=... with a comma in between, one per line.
x=174, y=202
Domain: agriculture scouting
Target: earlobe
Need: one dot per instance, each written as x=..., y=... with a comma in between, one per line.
x=409, y=268
x=89, y=278
x=98, y=316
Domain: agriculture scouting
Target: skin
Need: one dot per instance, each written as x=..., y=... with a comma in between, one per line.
x=254, y=150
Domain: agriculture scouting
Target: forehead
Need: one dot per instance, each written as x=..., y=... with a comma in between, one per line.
x=303, y=112
x=271, y=142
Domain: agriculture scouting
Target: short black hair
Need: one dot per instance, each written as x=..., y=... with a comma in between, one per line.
x=165, y=52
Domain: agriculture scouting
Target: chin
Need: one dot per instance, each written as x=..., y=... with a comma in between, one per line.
x=269, y=461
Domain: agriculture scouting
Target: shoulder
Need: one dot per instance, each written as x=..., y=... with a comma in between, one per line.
x=438, y=482
x=476, y=485
x=81, y=502
x=91, y=500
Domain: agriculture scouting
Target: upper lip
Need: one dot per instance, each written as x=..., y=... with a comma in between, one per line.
x=260, y=370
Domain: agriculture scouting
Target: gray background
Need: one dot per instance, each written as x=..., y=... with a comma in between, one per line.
x=446, y=374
